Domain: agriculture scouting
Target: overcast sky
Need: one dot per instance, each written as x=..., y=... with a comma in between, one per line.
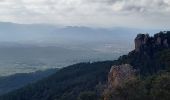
x=96, y=13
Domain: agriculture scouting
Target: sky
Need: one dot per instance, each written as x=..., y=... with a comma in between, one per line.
x=91, y=13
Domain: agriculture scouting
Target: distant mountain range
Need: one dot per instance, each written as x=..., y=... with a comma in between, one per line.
x=51, y=34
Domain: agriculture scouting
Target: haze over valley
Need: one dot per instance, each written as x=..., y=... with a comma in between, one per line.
x=30, y=47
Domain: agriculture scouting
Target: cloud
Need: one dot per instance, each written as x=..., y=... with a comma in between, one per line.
x=99, y=13
x=136, y=5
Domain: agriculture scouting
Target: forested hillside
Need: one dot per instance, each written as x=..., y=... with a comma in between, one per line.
x=66, y=84
x=12, y=82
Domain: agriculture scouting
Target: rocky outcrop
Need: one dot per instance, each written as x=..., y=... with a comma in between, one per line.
x=119, y=74
x=147, y=44
x=140, y=40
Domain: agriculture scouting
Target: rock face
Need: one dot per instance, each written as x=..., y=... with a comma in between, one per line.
x=140, y=40
x=145, y=43
x=120, y=74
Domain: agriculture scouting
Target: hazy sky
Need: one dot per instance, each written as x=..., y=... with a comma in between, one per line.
x=96, y=13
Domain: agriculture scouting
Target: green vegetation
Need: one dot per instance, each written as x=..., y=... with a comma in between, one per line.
x=87, y=96
x=156, y=87
x=70, y=83
x=147, y=65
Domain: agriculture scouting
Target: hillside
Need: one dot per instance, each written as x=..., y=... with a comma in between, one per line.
x=148, y=75
x=143, y=74
x=12, y=82
x=66, y=84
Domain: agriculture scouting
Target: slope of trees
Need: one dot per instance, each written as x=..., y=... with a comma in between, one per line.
x=16, y=81
x=69, y=83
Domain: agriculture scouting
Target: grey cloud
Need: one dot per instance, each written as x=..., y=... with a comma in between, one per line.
x=86, y=12
x=2, y=0
x=136, y=5
x=103, y=1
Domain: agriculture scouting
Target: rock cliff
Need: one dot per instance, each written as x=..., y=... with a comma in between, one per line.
x=119, y=74
x=149, y=44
